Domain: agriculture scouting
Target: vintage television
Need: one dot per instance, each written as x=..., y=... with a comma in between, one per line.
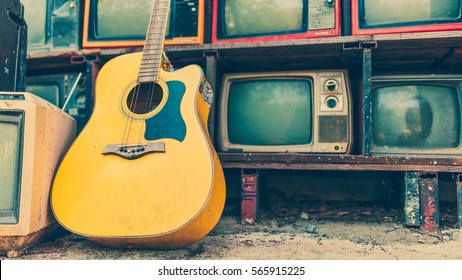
x=416, y=115
x=124, y=23
x=290, y=111
x=34, y=137
x=53, y=25
x=56, y=88
x=398, y=16
x=247, y=21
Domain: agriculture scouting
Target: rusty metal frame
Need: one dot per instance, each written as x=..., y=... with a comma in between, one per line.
x=249, y=196
x=429, y=204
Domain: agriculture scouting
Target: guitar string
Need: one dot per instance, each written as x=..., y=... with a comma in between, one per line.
x=148, y=104
x=151, y=93
x=129, y=121
x=128, y=117
x=151, y=89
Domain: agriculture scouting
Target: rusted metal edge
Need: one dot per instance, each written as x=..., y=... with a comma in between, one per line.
x=249, y=196
x=412, y=199
x=429, y=204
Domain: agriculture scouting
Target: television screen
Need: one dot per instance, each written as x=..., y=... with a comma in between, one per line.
x=11, y=124
x=36, y=18
x=285, y=111
x=240, y=20
x=49, y=92
x=122, y=18
x=259, y=107
x=53, y=25
x=122, y=23
x=417, y=115
x=390, y=16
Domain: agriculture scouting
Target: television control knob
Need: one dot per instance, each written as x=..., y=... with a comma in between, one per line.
x=331, y=85
x=331, y=102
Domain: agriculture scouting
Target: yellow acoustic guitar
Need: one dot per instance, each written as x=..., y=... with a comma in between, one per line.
x=143, y=172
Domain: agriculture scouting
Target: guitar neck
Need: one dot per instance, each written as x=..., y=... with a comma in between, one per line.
x=154, y=44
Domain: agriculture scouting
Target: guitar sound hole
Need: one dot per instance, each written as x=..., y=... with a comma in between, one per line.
x=144, y=98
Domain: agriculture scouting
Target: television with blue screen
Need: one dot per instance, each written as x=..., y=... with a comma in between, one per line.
x=398, y=16
x=52, y=25
x=124, y=23
x=268, y=20
x=290, y=111
x=416, y=115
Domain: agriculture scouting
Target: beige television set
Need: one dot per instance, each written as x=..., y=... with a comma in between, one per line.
x=34, y=137
x=291, y=111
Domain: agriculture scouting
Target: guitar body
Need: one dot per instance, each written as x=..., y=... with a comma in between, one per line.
x=166, y=198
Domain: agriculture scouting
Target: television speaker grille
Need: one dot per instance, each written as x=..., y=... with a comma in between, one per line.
x=64, y=32
x=321, y=15
x=333, y=129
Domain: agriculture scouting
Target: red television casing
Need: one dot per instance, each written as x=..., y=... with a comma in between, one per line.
x=356, y=30
x=331, y=32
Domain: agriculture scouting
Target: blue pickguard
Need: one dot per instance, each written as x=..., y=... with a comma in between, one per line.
x=168, y=123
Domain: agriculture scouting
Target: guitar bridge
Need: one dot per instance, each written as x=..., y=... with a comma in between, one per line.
x=134, y=151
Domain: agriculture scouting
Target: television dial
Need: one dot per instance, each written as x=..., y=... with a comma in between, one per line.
x=329, y=3
x=331, y=102
x=331, y=85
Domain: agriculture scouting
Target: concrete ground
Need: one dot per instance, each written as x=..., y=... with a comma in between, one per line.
x=304, y=231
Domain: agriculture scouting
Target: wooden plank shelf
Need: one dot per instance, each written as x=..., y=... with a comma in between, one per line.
x=427, y=50
x=298, y=161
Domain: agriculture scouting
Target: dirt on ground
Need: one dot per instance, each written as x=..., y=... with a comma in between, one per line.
x=307, y=231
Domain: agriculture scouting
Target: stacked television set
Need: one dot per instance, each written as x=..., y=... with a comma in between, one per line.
x=122, y=23
x=236, y=21
x=291, y=111
x=369, y=17
x=72, y=90
x=413, y=113
x=53, y=25
x=416, y=115
x=67, y=25
x=34, y=138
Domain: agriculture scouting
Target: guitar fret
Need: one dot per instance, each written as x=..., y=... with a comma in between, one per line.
x=149, y=67
x=145, y=68
x=149, y=61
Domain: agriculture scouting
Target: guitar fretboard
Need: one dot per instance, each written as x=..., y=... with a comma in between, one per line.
x=153, y=47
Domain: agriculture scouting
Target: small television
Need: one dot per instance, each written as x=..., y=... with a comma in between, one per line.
x=56, y=88
x=261, y=20
x=416, y=115
x=289, y=111
x=34, y=137
x=124, y=23
x=370, y=17
x=52, y=25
